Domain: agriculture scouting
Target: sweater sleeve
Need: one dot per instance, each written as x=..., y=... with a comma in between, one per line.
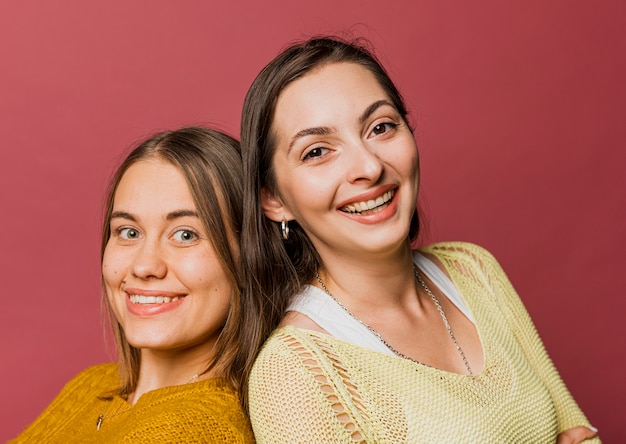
x=568, y=412
x=297, y=394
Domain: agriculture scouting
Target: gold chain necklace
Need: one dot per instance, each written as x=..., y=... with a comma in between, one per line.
x=380, y=338
x=103, y=416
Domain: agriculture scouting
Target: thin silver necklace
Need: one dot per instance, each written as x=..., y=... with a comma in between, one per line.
x=102, y=415
x=380, y=338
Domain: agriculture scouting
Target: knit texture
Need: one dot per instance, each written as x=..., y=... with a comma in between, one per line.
x=309, y=387
x=206, y=411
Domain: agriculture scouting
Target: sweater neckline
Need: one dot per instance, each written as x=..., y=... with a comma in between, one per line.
x=214, y=384
x=330, y=338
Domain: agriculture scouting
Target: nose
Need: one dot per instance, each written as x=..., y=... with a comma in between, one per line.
x=149, y=262
x=364, y=163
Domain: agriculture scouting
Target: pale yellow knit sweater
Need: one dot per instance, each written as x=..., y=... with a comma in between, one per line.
x=308, y=387
x=201, y=412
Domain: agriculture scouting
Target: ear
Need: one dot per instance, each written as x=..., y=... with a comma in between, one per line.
x=273, y=207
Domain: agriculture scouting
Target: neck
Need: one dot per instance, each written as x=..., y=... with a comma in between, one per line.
x=166, y=369
x=368, y=282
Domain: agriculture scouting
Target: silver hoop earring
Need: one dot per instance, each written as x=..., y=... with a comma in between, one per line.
x=284, y=228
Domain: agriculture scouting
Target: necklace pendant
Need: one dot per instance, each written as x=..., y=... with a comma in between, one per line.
x=99, y=422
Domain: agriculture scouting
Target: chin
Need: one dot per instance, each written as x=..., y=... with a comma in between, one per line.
x=151, y=343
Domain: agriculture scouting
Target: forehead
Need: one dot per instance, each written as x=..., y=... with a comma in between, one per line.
x=153, y=180
x=336, y=77
x=330, y=91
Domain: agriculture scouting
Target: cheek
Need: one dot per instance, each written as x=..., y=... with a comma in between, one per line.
x=112, y=278
x=213, y=286
x=221, y=301
x=111, y=268
x=199, y=272
x=192, y=269
x=310, y=188
x=408, y=163
x=415, y=167
x=306, y=199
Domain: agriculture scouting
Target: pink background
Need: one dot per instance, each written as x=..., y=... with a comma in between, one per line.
x=519, y=108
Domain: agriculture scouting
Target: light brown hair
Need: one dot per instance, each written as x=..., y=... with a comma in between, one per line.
x=210, y=161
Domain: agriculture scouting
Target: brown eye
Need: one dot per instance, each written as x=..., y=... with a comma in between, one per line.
x=382, y=128
x=315, y=152
x=379, y=129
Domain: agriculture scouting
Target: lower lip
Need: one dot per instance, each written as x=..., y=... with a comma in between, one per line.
x=374, y=218
x=148, y=310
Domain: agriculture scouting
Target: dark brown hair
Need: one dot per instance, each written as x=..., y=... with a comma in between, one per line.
x=210, y=161
x=274, y=270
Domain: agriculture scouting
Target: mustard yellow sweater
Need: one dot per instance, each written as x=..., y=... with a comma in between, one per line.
x=308, y=387
x=202, y=412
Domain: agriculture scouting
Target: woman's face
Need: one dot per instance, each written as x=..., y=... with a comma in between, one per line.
x=346, y=163
x=166, y=286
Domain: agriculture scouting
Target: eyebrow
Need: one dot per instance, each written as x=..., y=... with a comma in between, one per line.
x=315, y=131
x=170, y=216
x=182, y=213
x=123, y=215
x=373, y=107
x=325, y=131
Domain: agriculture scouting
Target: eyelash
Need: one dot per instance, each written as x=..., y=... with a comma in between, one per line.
x=122, y=232
x=186, y=230
x=387, y=125
x=308, y=155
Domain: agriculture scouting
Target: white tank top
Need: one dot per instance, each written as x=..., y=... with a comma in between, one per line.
x=328, y=314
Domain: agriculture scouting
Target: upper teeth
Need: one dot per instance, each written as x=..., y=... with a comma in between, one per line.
x=138, y=299
x=370, y=204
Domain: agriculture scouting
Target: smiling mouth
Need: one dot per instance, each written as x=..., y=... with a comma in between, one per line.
x=370, y=206
x=146, y=300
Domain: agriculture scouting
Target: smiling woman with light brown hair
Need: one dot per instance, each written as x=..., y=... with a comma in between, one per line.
x=171, y=289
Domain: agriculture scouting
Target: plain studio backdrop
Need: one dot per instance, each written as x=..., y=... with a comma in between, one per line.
x=519, y=116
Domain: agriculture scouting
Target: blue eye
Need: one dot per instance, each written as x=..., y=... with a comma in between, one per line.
x=185, y=236
x=128, y=233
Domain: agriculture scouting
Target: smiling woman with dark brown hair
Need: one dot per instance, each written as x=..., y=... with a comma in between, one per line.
x=376, y=342
x=171, y=291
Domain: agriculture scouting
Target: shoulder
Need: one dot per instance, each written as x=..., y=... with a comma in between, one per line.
x=467, y=262
x=463, y=257
x=295, y=356
x=106, y=370
x=205, y=411
x=78, y=396
x=283, y=339
x=216, y=395
x=220, y=415
x=309, y=310
x=465, y=251
x=301, y=321
x=286, y=371
x=288, y=352
x=97, y=378
x=223, y=412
